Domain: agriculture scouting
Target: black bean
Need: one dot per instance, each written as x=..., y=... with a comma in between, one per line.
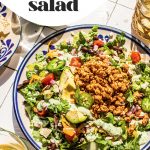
x=48, y=60
x=25, y=82
x=52, y=146
x=19, y=86
x=117, y=48
x=56, y=121
x=84, y=49
x=95, y=38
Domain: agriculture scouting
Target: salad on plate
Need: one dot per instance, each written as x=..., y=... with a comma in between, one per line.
x=86, y=93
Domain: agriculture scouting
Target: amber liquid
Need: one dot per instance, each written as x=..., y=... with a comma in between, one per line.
x=141, y=19
x=11, y=147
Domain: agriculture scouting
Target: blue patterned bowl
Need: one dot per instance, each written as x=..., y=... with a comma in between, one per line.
x=10, y=43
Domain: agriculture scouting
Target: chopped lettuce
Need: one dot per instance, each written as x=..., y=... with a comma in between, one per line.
x=58, y=107
x=47, y=94
x=29, y=74
x=132, y=143
x=39, y=122
x=35, y=86
x=108, y=51
x=120, y=39
x=129, y=97
x=30, y=67
x=40, y=57
x=110, y=118
x=29, y=111
x=85, y=57
x=94, y=31
x=40, y=65
x=113, y=62
x=63, y=45
x=82, y=38
x=43, y=73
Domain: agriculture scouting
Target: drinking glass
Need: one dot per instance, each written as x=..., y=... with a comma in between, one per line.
x=141, y=21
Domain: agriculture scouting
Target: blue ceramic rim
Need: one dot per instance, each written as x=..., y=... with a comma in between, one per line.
x=39, y=44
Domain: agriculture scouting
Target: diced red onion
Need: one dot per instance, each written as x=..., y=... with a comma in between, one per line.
x=59, y=54
x=73, y=52
x=95, y=48
x=138, y=107
x=52, y=82
x=133, y=109
x=129, y=113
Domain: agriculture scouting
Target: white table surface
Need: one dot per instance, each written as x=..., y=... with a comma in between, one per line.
x=119, y=14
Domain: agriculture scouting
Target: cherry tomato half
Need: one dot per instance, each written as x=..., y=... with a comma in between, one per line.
x=76, y=62
x=47, y=80
x=40, y=113
x=69, y=138
x=99, y=43
x=135, y=56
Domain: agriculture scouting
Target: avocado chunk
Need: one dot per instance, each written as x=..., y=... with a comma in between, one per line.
x=67, y=84
x=67, y=79
x=75, y=116
x=68, y=95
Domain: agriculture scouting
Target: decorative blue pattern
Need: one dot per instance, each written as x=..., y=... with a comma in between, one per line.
x=52, y=47
x=44, y=52
x=107, y=38
x=3, y=10
x=36, y=47
x=6, y=49
x=102, y=37
x=8, y=45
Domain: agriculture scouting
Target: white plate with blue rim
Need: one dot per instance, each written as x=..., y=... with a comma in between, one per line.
x=131, y=43
x=10, y=33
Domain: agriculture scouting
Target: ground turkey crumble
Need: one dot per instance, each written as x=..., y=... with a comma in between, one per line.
x=106, y=83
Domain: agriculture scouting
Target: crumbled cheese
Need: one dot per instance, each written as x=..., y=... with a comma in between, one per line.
x=41, y=105
x=144, y=137
x=91, y=137
x=131, y=68
x=45, y=132
x=108, y=138
x=37, y=122
x=135, y=122
x=116, y=58
x=117, y=142
x=80, y=54
x=67, y=57
x=136, y=78
x=145, y=85
x=55, y=88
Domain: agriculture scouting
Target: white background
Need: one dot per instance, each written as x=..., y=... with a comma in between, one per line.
x=54, y=18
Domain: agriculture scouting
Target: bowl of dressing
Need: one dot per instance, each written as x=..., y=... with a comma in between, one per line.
x=10, y=141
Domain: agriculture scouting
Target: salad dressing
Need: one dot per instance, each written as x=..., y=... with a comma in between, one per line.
x=12, y=147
